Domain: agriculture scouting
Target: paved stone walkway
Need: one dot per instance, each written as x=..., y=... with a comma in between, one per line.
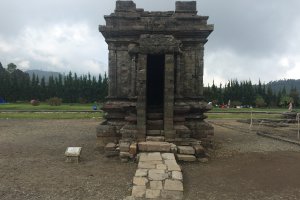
x=158, y=176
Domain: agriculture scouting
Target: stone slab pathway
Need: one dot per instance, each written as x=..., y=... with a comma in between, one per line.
x=158, y=176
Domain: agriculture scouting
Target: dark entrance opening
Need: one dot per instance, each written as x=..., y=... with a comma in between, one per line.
x=155, y=81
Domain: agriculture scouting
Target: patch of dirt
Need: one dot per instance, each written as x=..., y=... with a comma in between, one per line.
x=245, y=166
x=33, y=166
x=242, y=166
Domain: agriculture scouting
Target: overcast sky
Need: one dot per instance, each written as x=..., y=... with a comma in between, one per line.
x=253, y=39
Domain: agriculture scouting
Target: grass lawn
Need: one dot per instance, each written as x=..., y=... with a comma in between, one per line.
x=45, y=106
x=242, y=116
x=58, y=115
x=221, y=113
x=280, y=110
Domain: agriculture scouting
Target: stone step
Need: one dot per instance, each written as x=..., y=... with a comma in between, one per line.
x=154, y=132
x=155, y=138
x=155, y=124
x=187, y=158
x=151, y=146
x=186, y=150
x=155, y=116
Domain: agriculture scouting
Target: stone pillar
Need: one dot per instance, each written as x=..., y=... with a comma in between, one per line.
x=133, y=77
x=177, y=73
x=201, y=69
x=169, y=96
x=112, y=72
x=141, y=96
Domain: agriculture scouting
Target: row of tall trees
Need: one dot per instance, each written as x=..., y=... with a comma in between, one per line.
x=16, y=85
x=245, y=93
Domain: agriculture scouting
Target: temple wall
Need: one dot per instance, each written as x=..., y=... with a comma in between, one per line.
x=132, y=34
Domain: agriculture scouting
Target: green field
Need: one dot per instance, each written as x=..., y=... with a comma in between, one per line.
x=57, y=115
x=242, y=116
x=84, y=111
x=45, y=106
x=278, y=110
x=64, y=111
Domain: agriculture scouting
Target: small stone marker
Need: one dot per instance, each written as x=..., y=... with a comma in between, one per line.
x=73, y=154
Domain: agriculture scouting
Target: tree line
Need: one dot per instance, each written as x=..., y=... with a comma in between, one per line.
x=244, y=93
x=16, y=85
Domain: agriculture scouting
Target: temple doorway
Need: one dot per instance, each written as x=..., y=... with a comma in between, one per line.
x=155, y=92
x=155, y=80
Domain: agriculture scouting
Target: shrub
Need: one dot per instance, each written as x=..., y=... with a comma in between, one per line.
x=34, y=102
x=54, y=101
x=260, y=102
x=82, y=100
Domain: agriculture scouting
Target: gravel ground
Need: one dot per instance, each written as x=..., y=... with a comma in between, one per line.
x=32, y=162
x=243, y=165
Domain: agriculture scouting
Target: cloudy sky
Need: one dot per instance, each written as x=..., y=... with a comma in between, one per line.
x=253, y=39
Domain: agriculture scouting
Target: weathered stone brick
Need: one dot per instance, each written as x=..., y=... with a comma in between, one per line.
x=152, y=194
x=174, y=185
x=184, y=157
x=186, y=150
x=138, y=191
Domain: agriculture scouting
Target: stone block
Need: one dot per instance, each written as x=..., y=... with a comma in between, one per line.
x=154, y=132
x=174, y=185
x=140, y=180
x=184, y=157
x=177, y=175
x=199, y=149
x=73, y=154
x=155, y=138
x=186, y=150
x=154, y=146
x=146, y=165
x=172, y=165
x=128, y=134
x=110, y=147
x=152, y=194
x=133, y=149
x=138, y=191
x=173, y=148
x=157, y=174
x=168, y=156
x=154, y=157
x=125, y=155
x=124, y=146
x=146, y=157
x=156, y=185
x=141, y=172
x=161, y=166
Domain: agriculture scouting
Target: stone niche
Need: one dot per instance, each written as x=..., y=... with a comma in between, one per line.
x=155, y=74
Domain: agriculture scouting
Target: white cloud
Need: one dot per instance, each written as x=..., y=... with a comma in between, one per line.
x=59, y=47
x=225, y=64
x=5, y=47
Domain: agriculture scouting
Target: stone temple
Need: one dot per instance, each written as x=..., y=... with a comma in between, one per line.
x=155, y=76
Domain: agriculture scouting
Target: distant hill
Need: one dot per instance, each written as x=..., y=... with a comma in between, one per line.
x=41, y=74
x=287, y=83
